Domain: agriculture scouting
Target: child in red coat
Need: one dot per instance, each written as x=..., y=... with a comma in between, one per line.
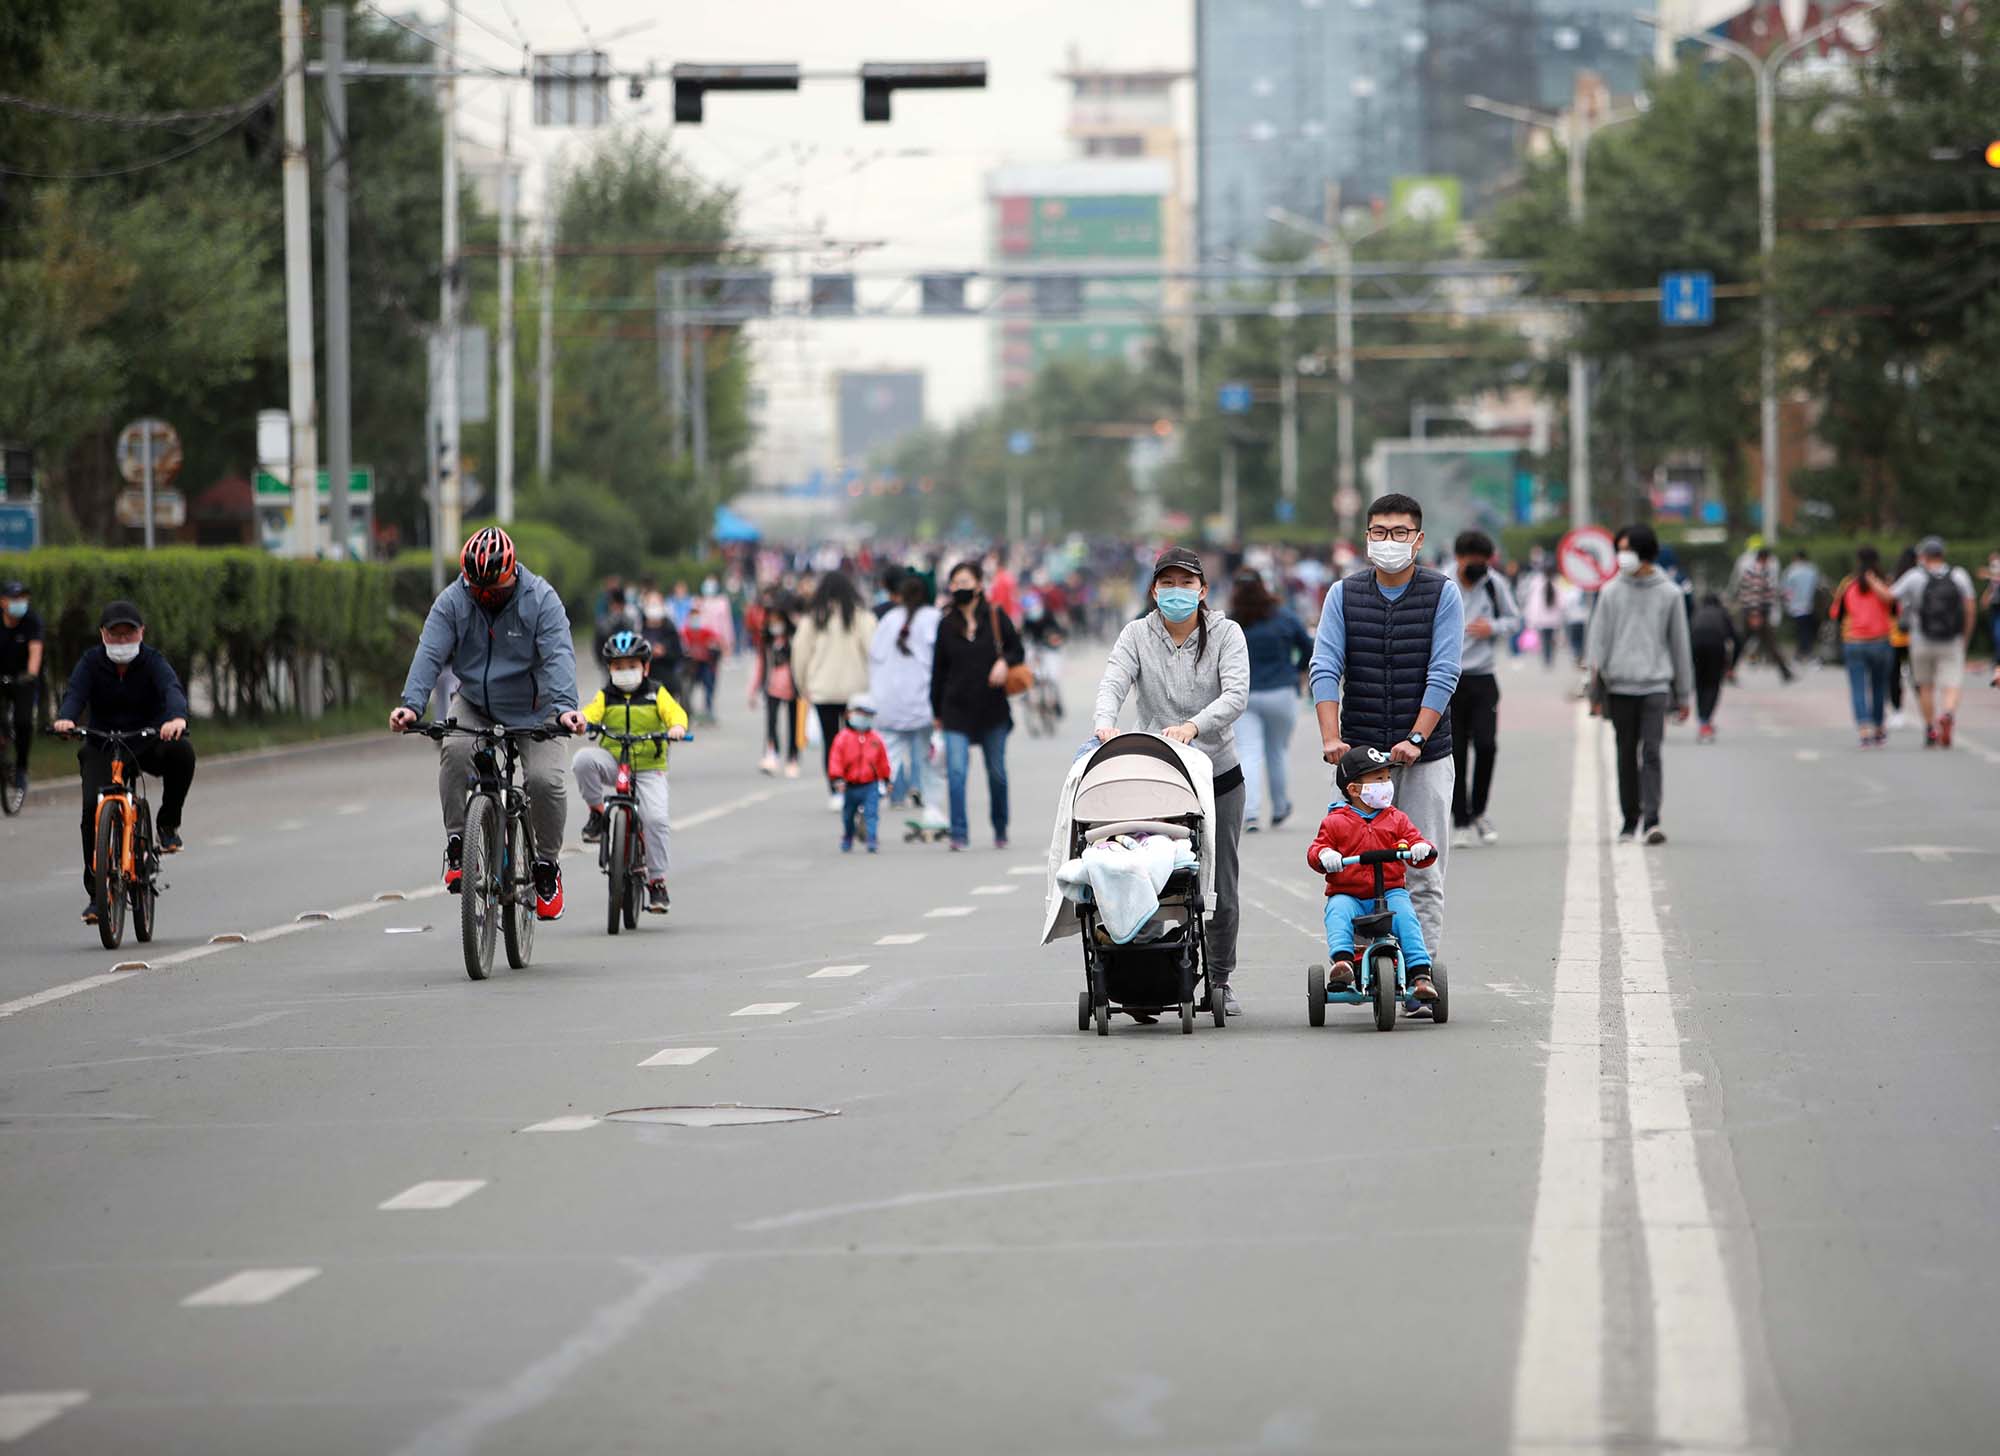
x=1368, y=819
x=858, y=764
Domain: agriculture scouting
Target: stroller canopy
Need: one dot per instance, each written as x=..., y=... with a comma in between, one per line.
x=1135, y=776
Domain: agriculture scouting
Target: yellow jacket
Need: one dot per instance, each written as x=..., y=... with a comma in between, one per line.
x=648, y=709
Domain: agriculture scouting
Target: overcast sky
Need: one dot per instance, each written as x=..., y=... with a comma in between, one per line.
x=805, y=165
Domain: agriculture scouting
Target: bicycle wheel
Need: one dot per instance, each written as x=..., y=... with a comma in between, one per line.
x=635, y=878
x=618, y=869
x=143, y=892
x=478, y=897
x=110, y=874
x=13, y=792
x=517, y=892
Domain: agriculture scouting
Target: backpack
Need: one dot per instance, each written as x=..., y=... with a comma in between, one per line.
x=1941, y=609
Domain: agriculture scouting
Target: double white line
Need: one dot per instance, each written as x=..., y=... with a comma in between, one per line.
x=1697, y=1379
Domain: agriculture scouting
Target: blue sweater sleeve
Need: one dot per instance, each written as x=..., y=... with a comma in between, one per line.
x=1329, y=656
x=1447, y=645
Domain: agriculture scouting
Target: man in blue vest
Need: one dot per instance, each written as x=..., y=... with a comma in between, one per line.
x=1384, y=667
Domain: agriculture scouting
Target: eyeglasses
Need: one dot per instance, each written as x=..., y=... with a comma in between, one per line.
x=1394, y=533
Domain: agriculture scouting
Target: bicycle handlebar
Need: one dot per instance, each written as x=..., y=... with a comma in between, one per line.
x=452, y=728
x=598, y=730
x=110, y=735
x=1376, y=857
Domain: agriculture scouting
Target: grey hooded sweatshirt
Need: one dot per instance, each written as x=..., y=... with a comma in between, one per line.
x=1638, y=639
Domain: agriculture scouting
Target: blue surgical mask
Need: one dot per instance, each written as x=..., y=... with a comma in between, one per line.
x=1177, y=603
x=860, y=722
x=17, y=610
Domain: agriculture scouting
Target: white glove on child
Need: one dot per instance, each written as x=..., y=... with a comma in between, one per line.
x=1422, y=853
x=1329, y=860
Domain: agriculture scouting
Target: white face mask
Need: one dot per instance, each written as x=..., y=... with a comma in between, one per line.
x=1378, y=795
x=1628, y=562
x=1391, y=556
x=627, y=678
x=122, y=652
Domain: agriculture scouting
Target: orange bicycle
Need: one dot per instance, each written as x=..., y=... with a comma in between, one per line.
x=125, y=870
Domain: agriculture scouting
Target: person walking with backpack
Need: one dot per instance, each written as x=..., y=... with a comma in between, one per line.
x=1937, y=600
x=1713, y=643
x=1491, y=616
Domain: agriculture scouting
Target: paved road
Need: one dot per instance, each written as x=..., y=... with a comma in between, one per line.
x=1705, y=1159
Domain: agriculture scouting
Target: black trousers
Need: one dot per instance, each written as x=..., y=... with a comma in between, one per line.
x=23, y=708
x=173, y=762
x=782, y=712
x=1475, y=740
x=1711, y=665
x=830, y=715
x=1639, y=721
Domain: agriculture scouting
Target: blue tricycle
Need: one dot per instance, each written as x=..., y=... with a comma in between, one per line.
x=1379, y=971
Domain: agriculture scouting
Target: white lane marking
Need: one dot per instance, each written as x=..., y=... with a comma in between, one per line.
x=24, y=1411
x=766, y=1008
x=1976, y=746
x=1699, y=1400
x=825, y=973
x=901, y=939
x=1927, y=853
x=995, y=889
x=352, y=809
x=1807, y=755
x=1991, y=902
x=682, y=1056
x=222, y=841
x=1028, y=870
x=252, y=1286
x=57, y=993
x=950, y=912
x=435, y=1194
x=562, y=1124
x=708, y=815
x=291, y=826
x=1559, y=1367
x=1317, y=936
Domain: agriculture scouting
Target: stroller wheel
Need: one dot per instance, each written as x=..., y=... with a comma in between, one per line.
x=1104, y=1020
x=1083, y=1011
x=1187, y=1018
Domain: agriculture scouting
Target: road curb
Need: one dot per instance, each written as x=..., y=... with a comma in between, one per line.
x=240, y=759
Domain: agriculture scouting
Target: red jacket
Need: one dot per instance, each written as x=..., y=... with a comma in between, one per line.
x=859, y=758
x=1345, y=832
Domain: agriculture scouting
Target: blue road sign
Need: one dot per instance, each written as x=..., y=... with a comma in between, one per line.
x=1687, y=300
x=19, y=526
x=1233, y=398
x=1021, y=442
x=1288, y=511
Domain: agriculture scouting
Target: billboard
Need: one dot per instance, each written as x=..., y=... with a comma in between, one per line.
x=876, y=408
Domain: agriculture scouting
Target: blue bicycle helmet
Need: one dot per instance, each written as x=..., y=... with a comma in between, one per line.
x=627, y=644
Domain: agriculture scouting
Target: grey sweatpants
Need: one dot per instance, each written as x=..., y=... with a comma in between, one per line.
x=597, y=773
x=541, y=767
x=1423, y=791
x=1225, y=843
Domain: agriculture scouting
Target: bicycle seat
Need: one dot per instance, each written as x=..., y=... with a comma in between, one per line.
x=1374, y=925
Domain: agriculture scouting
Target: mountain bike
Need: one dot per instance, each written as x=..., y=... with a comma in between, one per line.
x=13, y=788
x=497, y=856
x=125, y=867
x=622, y=852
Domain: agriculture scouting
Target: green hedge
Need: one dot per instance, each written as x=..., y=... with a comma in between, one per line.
x=238, y=615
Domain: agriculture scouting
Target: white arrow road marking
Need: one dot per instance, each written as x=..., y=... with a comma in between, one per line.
x=436, y=1194
x=680, y=1056
x=23, y=1411
x=252, y=1286
x=766, y=1008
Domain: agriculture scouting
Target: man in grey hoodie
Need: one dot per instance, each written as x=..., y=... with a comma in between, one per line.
x=1640, y=664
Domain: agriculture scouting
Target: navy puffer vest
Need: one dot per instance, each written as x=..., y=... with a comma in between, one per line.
x=1389, y=661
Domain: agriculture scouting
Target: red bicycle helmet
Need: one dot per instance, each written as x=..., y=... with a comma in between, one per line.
x=488, y=558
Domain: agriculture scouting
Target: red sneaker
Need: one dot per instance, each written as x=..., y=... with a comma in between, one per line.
x=454, y=850
x=1945, y=721
x=548, y=891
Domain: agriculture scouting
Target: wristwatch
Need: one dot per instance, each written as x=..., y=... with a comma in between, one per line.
x=1415, y=739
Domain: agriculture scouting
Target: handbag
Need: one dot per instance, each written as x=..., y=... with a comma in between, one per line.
x=1014, y=680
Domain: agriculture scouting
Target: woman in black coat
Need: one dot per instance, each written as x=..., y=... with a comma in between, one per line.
x=976, y=644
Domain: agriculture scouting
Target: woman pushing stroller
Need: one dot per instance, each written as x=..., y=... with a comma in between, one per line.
x=1190, y=669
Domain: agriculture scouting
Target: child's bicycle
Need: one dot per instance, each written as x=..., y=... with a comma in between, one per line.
x=125, y=869
x=1379, y=970
x=621, y=854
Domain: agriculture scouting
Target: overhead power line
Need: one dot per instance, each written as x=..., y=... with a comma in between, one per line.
x=140, y=120
x=234, y=118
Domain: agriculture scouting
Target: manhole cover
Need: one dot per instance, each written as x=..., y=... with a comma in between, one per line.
x=726, y=1114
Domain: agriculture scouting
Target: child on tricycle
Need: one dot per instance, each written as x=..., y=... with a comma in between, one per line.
x=1367, y=823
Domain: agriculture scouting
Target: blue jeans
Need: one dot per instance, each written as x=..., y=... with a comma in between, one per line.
x=861, y=812
x=1340, y=913
x=1868, y=667
x=1263, y=736
x=910, y=752
x=958, y=763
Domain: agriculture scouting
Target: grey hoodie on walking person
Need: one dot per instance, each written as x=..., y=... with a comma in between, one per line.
x=1638, y=642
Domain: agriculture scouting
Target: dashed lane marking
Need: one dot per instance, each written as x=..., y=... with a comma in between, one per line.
x=708, y=815
x=23, y=1412
x=57, y=993
x=346, y=809
x=252, y=1286
x=950, y=912
x=563, y=1124
x=1807, y=755
x=766, y=1008
x=684, y=1056
x=435, y=1194
x=994, y=889
x=826, y=973
x=1024, y=870
x=908, y=939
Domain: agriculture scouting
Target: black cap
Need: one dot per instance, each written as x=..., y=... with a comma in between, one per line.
x=120, y=614
x=1356, y=762
x=12, y=588
x=1184, y=557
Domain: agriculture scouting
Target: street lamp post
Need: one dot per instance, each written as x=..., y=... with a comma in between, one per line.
x=1764, y=70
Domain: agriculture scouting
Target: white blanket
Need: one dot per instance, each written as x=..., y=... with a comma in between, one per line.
x=1123, y=878
x=1059, y=917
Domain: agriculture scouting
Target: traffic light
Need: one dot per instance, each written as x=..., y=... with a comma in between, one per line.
x=692, y=82
x=881, y=79
x=1993, y=155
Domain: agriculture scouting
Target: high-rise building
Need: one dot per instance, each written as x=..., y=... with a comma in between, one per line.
x=1321, y=105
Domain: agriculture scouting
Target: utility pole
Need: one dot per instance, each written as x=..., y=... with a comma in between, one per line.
x=677, y=361
x=698, y=407
x=504, y=446
x=1288, y=398
x=339, y=407
x=1229, y=513
x=450, y=509
x=1576, y=138
x=1347, y=493
x=545, y=363
x=298, y=288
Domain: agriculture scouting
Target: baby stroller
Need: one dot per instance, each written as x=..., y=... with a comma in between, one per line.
x=1138, y=784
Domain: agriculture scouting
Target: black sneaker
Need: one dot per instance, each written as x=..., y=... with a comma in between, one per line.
x=454, y=854
x=1628, y=834
x=548, y=890
x=656, y=898
x=170, y=841
x=1655, y=834
x=593, y=827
